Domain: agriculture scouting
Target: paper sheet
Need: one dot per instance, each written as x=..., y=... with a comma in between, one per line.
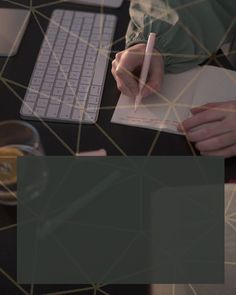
x=180, y=92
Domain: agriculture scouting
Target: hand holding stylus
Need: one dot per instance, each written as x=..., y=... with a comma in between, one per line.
x=126, y=70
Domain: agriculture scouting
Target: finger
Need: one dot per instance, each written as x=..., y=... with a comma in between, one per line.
x=204, y=107
x=208, y=131
x=217, y=143
x=227, y=152
x=123, y=89
x=128, y=63
x=114, y=66
x=128, y=79
x=118, y=56
x=120, y=85
x=202, y=118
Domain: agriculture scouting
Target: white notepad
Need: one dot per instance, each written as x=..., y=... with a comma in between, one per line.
x=180, y=93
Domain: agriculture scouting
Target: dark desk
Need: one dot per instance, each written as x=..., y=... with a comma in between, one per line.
x=116, y=139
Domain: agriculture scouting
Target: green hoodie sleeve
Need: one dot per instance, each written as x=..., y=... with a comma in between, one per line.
x=188, y=31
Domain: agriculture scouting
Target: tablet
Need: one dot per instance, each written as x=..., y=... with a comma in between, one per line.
x=13, y=23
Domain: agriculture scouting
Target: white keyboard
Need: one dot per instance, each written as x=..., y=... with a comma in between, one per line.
x=69, y=75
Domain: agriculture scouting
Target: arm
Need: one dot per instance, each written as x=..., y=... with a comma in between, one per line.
x=187, y=33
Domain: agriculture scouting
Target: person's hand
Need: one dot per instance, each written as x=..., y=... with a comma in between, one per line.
x=213, y=128
x=126, y=68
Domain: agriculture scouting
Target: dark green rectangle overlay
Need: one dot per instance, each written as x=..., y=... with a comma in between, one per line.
x=120, y=220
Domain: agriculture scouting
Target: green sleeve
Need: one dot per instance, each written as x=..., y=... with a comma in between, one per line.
x=188, y=32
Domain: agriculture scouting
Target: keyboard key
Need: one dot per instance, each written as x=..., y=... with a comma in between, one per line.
x=89, y=65
x=75, y=75
x=39, y=111
x=106, y=37
x=62, y=76
x=49, y=78
x=89, y=117
x=39, y=74
x=69, y=91
x=68, y=99
x=86, y=80
x=69, y=15
x=96, y=37
x=72, y=40
x=57, y=14
x=91, y=58
x=82, y=96
x=42, y=103
x=84, y=88
x=81, y=53
x=95, y=90
x=44, y=93
x=82, y=46
x=92, y=51
x=41, y=66
x=65, y=68
x=27, y=108
x=35, y=88
x=60, y=83
x=80, y=104
x=91, y=108
x=31, y=97
x=85, y=34
x=100, y=68
x=36, y=81
x=73, y=83
x=58, y=91
x=87, y=26
x=65, y=111
x=56, y=100
x=68, y=53
x=77, y=115
x=66, y=61
x=44, y=58
x=99, y=20
x=47, y=86
x=109, y=23
x=78, y=60
x=52, y=71
x=53, y=111
x=76, y=68
x=93, y=99
x=87, y=73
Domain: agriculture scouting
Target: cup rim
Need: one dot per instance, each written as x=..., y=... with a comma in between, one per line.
x=6, y=198
x=26, y=124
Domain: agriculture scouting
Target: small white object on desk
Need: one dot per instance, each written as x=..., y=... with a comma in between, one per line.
x=98, y=153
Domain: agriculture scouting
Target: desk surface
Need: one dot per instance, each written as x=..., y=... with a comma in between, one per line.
x=116, y=139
